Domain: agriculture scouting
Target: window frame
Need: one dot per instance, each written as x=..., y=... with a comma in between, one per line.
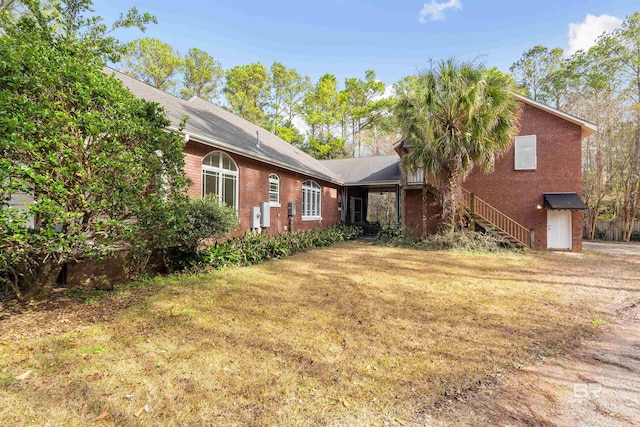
x=274, y=179
x=519, y=151
x=222, y=174
x=311, y=206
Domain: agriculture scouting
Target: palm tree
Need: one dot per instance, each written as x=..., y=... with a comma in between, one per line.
x=454, y=117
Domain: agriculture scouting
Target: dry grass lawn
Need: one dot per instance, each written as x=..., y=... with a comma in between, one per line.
x=350, y=335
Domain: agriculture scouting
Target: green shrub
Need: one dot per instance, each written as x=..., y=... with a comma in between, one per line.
x=599, y=234
x=397, y=237
x=389, y=233
x=181, y=229
x=252, y=248
x=202, y=219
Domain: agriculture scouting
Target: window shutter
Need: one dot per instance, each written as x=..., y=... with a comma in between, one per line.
x=525, y=153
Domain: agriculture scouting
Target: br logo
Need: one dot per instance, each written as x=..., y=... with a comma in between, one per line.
x=585, y=390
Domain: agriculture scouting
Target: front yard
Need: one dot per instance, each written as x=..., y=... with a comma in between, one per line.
x=351, y=335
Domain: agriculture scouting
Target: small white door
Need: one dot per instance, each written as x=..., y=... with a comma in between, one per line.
x=558, y=229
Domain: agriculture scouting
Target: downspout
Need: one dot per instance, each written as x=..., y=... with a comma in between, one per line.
x=399, y=199
x=403, y=196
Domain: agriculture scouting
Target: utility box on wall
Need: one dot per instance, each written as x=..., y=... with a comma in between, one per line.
x=291, y=208
x=255, y=217
x=265, y=214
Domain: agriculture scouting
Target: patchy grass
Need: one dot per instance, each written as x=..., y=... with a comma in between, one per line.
x=355, y=334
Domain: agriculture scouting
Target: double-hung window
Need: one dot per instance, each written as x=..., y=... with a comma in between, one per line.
x=274, y=190
x=311, y=200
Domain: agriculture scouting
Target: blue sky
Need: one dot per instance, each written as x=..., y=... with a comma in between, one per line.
x=347, y=37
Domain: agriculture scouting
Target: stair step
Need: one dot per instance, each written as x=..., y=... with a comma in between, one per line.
x=471, y=202
x=511, y=241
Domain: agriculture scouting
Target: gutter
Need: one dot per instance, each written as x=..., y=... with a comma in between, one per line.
x=371, y=183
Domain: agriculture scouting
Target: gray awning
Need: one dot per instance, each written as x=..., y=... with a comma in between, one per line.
x=569, y=201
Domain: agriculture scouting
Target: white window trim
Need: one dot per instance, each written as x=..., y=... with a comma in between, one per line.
x=523, y=139
x=221, y=171
x=274, y=179
x=314, y=189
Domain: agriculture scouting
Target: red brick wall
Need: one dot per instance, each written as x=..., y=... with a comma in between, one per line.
x=413, y=212
x=559, y=169
x=99, y=273
x=517, y=193
x=253, y=188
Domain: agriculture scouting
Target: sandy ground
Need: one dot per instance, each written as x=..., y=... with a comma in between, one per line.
x=597, y=384
x=613, y=248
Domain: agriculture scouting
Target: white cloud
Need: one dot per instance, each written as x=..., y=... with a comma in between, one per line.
x=585, y=34
x=389, y=91
x=301, y=125
x=435, y=11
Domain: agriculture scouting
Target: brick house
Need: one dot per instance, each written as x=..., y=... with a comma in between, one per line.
x=248, y=167
x=532, y=197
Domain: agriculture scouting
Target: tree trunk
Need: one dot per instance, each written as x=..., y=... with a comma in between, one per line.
x=597, y=188
x=450, y=194
x=425, y=206
x=591, y=221
x=631, y=204
x=40, y=279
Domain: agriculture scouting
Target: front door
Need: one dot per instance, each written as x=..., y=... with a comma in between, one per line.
x=356, y=210
x=558, y=229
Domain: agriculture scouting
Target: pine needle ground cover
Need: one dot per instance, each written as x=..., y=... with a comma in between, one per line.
x=355, y=334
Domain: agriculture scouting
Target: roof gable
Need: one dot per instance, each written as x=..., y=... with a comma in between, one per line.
x=586, y=127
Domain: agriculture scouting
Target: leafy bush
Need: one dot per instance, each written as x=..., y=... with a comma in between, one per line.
x=599, y=234
x=202, y=219
x=465, y=241
x=91, y=154
x=635, y=236
x=179, y=230
x=400, y=237
x=254, y=248
x=389, y=233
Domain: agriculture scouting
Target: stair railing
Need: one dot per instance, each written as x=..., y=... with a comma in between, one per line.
x=483, y=210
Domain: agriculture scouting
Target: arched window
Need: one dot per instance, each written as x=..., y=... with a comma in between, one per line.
x=220, y=177
x=274, y=189
x=311, y=200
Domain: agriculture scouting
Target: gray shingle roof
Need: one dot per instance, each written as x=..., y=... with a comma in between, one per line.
x=218, y=127
x=367, y=170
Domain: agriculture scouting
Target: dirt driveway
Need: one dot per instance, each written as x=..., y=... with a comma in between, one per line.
x=613, y=248
x=596, y=384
